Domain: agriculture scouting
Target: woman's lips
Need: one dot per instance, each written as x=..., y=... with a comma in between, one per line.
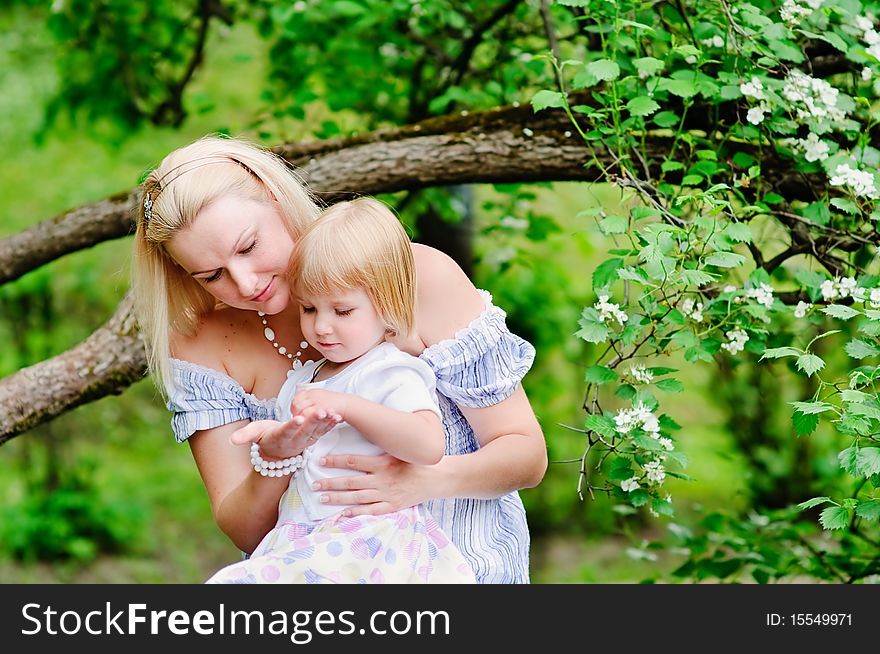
x=263, y=295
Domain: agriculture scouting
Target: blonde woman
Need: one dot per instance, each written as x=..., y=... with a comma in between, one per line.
x=218, y=224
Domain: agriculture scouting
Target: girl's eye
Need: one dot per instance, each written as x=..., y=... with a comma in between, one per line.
x=249, y=248
x=214, y=277
x=308, y=309
x=343, y=312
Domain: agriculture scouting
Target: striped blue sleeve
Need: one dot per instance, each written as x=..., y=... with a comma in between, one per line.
x=203, y=399
x=484, y=363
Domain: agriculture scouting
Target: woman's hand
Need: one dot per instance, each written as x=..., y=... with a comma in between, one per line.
x=280, y=440
x=388, y=484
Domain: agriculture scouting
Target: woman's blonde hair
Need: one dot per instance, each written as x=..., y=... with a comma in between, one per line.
x=186, y=182
x=359, y=244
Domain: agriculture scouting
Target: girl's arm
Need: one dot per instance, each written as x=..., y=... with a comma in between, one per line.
x=512, y=452
x=412, y=436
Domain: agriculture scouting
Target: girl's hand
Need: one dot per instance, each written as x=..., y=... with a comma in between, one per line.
x=317, y=404
x=388, y=484
x=280, y=440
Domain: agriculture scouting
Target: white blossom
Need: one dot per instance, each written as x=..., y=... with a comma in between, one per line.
x=762, y=295
x=858, y=294
x=801, y=309
x=847, y=285
x=629, y=485
x=875, y=298
x=691, y=59
x=639, y=417
x=867, y=73
x=829, y=290
x=714, y=42
x=737, y=339
x=692, y=309
x=860, y=181
x=608, y=310
x=666, y=443
x=792, y=12
x=813, y=99
x=655, y=472
x=730, y=288
x=864, y=23
x=814, y=149
x=753, y=89
x=641, y=374
x=755, y=115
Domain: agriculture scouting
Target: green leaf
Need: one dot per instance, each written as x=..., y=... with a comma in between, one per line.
x=642, y=106
x=858, y=349
x=868, y=509
x=593, y=332
x=648, y=65
x=810, y=364
x=614, y=225
x=606, y=272
x=841, y=311
x=804, y=423
x=625, y=391
x=604, y=69
x=599, y=375
x=663, y=507
x=779, y=352
x=849, y=395
x=697, y=277
x=601, y=425
x=670, y=385
x=544, y=99
x=864, y=410
x=667, y=119
x=639, y=497
x=868, y=461
x=646, y=442
x=739, y=232
x=725, y=259
x=812, y=407
x=847, y=459
x=816, y=501
x=669, y=166
x=834, y=517
x=681, y=87
x=845, y=205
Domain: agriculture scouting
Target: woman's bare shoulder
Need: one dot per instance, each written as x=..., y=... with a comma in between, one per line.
x=446, y=299
x=211, y=343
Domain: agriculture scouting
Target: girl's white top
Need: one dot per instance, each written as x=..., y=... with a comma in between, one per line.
x=384, y=375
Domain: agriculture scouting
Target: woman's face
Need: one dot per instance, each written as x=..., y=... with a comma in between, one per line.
x=238, y=250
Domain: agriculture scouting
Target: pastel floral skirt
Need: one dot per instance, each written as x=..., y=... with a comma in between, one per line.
x=404, y=547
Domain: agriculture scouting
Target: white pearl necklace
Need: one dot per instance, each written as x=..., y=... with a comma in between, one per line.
x=269, y=333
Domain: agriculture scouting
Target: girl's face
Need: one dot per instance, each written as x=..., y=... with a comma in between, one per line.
x=342, y=326
x=238, y=250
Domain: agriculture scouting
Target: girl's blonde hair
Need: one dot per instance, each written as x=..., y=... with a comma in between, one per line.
x=359, y=244
x=186, y=182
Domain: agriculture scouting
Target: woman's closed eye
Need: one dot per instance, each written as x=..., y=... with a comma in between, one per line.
x=249, y=248
x=343, y=312
x=306, y=309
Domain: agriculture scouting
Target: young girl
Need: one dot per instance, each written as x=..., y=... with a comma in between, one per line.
x=354, y=280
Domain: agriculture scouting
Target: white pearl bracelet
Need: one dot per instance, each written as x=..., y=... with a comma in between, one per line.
x=280, y=468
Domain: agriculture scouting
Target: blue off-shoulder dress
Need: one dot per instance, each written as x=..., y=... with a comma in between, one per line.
x=480, y=367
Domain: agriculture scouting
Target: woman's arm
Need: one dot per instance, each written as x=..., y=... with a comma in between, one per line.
x=245, y=504
x=512, y=452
